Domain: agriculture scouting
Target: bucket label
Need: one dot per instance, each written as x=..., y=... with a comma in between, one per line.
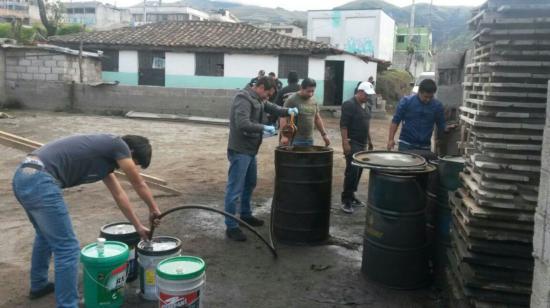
x=113, y=284
x=189, y=300
x=150, y=277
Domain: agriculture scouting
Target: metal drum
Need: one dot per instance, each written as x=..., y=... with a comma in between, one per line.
x=395, y=251
x=302, y=198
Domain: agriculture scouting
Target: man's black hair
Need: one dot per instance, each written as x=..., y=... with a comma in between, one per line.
x=141, y=149
x=271, y=74
x=267, y=82
x=308, y=82
x=427, y=86
x=292, y=77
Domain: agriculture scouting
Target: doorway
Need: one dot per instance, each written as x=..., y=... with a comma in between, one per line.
x=151, y=68
x=334, y=83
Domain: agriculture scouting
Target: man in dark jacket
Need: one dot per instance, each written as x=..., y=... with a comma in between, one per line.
x=245, y=137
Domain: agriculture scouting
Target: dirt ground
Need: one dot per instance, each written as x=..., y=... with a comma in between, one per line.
x=192, y=158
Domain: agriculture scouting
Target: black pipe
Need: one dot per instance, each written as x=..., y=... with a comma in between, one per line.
x=207, y=208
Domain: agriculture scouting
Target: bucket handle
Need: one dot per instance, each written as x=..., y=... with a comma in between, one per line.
x=93, y=279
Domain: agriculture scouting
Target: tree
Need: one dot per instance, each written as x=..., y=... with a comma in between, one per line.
x=51, y=15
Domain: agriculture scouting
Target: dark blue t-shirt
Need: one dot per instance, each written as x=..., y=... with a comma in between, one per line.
x=418, y=119
x=81, y=159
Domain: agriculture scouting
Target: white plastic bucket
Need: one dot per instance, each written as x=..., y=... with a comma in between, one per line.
x=180, y=282
x=149, y=256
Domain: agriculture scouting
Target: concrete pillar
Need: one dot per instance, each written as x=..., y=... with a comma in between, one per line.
x=541, y=240
x=3, y=95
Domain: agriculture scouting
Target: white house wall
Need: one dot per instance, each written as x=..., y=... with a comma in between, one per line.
x=386, y=38
x=356, y=31
x=247, y=66
x=238, y=70
x=178, y=63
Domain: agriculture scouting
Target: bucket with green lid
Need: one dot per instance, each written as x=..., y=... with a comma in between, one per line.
x=180, y=281
x=104, y=266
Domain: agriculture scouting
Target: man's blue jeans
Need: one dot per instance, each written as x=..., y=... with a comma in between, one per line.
x=302, y=142
x=42, y=199
x=241, y=181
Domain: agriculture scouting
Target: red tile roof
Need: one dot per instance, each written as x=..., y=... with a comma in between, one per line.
x=198, y=35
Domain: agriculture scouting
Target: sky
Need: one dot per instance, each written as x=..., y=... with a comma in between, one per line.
x=304, y=5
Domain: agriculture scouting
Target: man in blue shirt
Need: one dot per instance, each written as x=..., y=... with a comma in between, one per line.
x=418, y=113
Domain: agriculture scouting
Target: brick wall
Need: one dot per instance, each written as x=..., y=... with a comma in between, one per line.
x=43, y=65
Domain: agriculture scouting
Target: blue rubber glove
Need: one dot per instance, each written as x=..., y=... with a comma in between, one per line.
x=269, y=129
x=293, y=110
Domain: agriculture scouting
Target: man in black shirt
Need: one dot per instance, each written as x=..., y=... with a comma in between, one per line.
x=287, y=91
x=354, y=126
x=253, y=81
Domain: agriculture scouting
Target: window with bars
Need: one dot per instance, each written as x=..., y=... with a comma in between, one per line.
x=109, y=61
x=288, y=63
x=209, y=64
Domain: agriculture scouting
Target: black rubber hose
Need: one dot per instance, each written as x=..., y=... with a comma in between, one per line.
x=207, y=208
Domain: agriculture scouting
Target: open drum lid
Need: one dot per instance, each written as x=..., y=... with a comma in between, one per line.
x=389, y=160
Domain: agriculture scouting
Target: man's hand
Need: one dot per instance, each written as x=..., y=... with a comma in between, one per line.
x=391, y=145
x=143, y=232
x=450, y=127
x=293, y=110
x=285, y=140
x=370, y=147
x=346, y=147
x=154, y=217
x=326, y=139
x=269, y=129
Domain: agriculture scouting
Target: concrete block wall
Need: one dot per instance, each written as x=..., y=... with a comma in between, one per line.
x=42, y=65
x=116, y=99
x=39, y=94
x=541, y=241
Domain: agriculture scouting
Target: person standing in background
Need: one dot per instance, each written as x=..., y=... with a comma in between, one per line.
x=308, y=118
x=355, y=130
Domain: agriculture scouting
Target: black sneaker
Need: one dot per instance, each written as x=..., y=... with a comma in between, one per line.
x=253, y=221
x=356, y=202
x=49, y=288
x=235, y=234
x=347, y=207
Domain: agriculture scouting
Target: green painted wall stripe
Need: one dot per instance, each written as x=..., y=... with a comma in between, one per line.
x=212, y=82
x=130, y=79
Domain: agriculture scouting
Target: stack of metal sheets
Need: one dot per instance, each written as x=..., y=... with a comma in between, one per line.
x=504, y=110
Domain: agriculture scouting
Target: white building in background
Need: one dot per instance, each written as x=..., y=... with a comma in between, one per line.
x=364, y=32
x=223, y=15
x=289, y=30
x=157, y=11
x=221, y=55
x=96, y=15
x=24, y=10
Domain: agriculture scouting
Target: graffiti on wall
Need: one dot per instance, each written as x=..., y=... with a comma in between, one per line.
x=336, y=19
x=362, y=46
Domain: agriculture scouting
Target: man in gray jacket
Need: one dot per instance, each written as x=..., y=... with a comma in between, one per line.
x=245, y=137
